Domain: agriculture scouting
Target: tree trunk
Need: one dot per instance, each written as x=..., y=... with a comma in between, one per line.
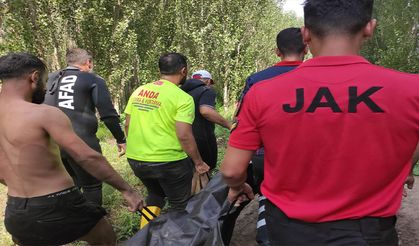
x=226, y=96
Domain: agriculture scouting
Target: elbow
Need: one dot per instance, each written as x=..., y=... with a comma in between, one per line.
x=206, y=112
x=184, y=132
x=230, y=175
x=184, y=137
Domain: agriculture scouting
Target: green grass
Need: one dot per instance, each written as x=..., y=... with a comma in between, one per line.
x=222, y=135
x=416, y=170
x=124, y=222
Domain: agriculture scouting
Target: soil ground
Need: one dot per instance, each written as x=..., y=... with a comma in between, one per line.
x=407, y=223
x=408, y=217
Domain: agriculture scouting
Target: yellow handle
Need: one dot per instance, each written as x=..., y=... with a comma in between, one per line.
x=148, y=214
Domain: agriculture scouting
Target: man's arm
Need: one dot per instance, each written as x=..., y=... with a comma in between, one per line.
x=410, y=180
x=58, y=126
x=212, y=115
x=103, y=102
x=113, y=124
x=187, y=141
x=127, y=121
x=234, y=171
x=207, y=108
x=2, y=159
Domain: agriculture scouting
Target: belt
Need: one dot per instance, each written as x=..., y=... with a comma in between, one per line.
x=362, y=224
x=44, y=200
x=381, y=223
x=156, y=164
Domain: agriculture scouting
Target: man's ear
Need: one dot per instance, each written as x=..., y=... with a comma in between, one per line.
x=369, y=28
x=90, y=64
x=305, y=49
x=305, y=32
x=278, y=52
x=34, y=78
x=184, y=71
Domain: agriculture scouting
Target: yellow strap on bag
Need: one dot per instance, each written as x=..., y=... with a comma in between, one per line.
x=148, y=214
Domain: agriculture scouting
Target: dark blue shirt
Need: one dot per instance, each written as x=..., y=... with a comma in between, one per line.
x=275, y=70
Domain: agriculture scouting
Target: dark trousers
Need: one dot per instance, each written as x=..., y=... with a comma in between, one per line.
x=255, y=173
x=165, y=179
x=91, y=187
x=207, y=148
x=367, y=231
x=254, y=179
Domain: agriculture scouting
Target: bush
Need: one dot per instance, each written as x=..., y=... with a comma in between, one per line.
x=416, y=170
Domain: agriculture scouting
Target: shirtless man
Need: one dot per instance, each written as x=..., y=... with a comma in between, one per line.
x=44, y=207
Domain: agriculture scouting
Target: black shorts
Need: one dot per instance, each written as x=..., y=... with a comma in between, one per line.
x=55, y=219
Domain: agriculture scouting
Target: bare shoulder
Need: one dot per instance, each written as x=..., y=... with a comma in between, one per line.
x=46, y=117
x=47, y=109
x=51, y=114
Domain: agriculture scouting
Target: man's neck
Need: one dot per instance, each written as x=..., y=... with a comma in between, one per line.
x=291, y=58
x=72, y=67
x=79, y=67
x=171, y=79
x=16, y=90
x=336, y=46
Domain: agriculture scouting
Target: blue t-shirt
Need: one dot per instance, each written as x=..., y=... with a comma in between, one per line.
x=275, y=70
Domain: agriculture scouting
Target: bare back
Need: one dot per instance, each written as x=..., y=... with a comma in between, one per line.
x=30, y=162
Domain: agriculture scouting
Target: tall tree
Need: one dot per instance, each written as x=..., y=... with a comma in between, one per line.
x=396, y=41
x=232, y=39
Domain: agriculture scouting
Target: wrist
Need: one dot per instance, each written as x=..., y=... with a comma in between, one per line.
x=237, y=188
x=198, y=162
x=127, y=190
x=121, y=141
x=229, y=126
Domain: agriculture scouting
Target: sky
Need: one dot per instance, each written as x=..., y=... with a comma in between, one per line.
x=294, y=5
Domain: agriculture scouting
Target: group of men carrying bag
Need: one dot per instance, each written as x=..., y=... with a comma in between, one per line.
x=336, y=139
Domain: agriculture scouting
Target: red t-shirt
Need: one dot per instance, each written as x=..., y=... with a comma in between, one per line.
x=339, y=135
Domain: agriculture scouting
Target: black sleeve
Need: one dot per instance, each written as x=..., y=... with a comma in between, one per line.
x=249, y=83
x=112, y=123
x=102, y=100
x=208, y=98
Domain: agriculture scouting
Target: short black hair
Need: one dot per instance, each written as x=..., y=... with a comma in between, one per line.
x=324, y=17
x=290, y=41
x=15, y=65
x=172, y=63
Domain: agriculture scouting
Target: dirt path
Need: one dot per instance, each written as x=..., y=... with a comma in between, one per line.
x=408, y=218
x=407, y=224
